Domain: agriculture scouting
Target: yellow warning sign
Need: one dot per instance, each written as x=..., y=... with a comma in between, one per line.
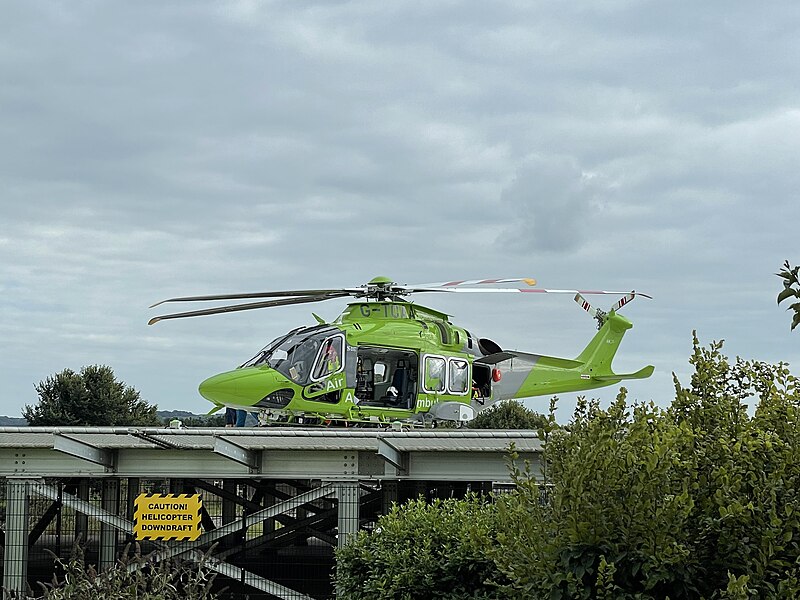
x=167, y=516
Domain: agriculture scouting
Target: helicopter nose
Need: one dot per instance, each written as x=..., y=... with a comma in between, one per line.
x=222, y=389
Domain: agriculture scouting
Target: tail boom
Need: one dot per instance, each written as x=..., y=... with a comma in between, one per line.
x=526, y=375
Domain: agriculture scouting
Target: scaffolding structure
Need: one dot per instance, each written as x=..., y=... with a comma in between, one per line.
x=276, y=501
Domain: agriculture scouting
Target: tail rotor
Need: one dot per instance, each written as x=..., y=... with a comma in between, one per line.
x=601, y=316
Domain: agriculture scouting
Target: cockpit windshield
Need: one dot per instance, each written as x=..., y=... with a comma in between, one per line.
x=292, y=355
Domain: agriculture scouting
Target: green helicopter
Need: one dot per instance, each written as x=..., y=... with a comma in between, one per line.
x=386, y=359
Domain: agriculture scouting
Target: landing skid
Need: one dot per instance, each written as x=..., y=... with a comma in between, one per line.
x=279, y=418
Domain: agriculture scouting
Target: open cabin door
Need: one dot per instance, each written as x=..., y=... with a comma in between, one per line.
x=481, y=382
x=386, y=377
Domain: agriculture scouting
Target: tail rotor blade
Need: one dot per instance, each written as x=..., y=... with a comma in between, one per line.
x=623, y=301
x=582, y=302
x=627, y=298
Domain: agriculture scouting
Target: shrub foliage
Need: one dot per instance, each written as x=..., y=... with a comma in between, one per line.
x=419, y=550
x=166, y=580
x=510, y=414
x=698, y=500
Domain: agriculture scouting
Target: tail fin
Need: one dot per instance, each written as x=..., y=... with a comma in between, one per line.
x=601, y=350
x=599, y=353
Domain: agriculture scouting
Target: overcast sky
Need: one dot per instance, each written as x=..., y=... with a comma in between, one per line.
x=153, y=149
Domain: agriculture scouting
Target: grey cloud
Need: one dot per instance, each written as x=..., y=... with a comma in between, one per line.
x=163, y=148
x=551, y=203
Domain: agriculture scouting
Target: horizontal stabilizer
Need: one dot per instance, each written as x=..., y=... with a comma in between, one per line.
x=640, y=374
x=493, y=359
x=498, y=357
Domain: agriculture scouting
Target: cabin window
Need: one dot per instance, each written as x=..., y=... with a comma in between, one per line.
x=435, y=373
x=458, y=381
x=329, y=359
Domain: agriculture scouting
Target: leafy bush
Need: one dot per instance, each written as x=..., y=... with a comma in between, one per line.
x=166, y=580
x=419, y=550
x=697, y=501
x=615, y=521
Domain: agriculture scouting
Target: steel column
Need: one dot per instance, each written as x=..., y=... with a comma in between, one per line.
x=108, y=533
x=15, y=557
x=348, y=493
x=390, y=496
x=81, y=519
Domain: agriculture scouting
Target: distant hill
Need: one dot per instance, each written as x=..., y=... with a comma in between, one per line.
x=13, y=422
x=190, y=419
x=178, y=414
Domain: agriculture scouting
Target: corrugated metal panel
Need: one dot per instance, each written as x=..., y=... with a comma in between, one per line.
x=103, y=440
x=307, y=443
x=26, y=440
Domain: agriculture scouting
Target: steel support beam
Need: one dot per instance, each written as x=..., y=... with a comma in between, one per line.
x=235, y=452
x=93, y=454
x=248, y=521
x=15, y=575
x=15, y=554
x=399, y=460
x=109, y=533
x=44, y=522
x=248, y=578
x=78, y=505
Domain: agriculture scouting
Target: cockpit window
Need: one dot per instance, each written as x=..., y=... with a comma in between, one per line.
x=329, y=360
x=293, y=355
x=263, y=354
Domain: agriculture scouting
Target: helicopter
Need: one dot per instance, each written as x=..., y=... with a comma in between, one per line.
x=387, y=360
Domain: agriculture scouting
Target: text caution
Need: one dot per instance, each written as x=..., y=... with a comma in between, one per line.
x=167, y=516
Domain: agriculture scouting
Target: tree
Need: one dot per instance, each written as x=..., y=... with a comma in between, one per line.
x=91, y=397
x=511, y=414
x=791, y=289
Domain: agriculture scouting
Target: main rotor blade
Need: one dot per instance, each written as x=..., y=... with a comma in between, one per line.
x=518, y=290
x=451, y=284
x=279, y=294
x=248, y=306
